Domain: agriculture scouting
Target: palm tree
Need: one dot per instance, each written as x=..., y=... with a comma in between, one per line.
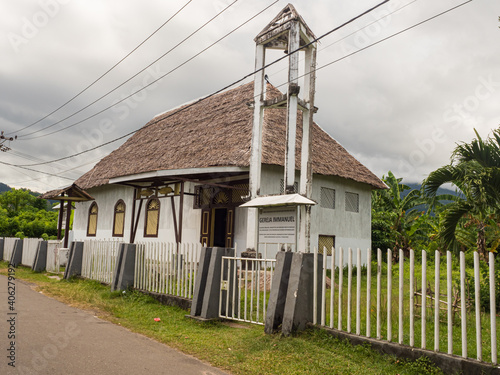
x=475, y=171
x=397, y=209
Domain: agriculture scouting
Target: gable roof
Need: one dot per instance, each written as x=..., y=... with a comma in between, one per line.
x=217, y=132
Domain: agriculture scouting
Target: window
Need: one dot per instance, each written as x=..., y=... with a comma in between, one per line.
x=152, y=218
x=327, y=242
x=327, y=198
x=92, y=224
x=119, y=219
x=352, y=202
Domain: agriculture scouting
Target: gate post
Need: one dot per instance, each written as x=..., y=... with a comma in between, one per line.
x=277, y=295
x=208, y=284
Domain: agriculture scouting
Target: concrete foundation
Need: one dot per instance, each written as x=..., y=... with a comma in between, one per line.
x=17, y=253
x=40, y=261
x=123, y=277
x=74, y=267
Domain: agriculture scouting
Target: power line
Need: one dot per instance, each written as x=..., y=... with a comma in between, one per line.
x=108, y=71
x=199, y=53
x=212, y=94
x=34, y=170
x=123, y=83
x=38, y=179
x=256, y=71
x=354, y=32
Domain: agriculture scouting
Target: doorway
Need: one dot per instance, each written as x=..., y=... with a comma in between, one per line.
x=217, y=227
x=220, y=226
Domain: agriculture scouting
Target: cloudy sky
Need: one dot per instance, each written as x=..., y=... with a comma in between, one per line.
x=399, y=105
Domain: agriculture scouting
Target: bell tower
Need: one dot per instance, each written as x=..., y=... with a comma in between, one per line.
x=288, y=32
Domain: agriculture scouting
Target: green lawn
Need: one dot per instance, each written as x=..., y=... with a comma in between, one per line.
x=443, y=332
x=237, y=348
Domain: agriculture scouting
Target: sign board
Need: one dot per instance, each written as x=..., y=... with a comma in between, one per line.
x=278, y=225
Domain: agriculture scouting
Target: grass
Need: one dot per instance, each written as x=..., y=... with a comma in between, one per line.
x=429, y=344
x=237, y=348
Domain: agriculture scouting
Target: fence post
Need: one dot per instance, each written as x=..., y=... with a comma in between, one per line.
x=450, y=297
x=40, y=261
x=493, y=319
x=437, y=279
x=424, y=300
x=463, y=304
x=401, y=291
x=477, y=297
x=74, y=267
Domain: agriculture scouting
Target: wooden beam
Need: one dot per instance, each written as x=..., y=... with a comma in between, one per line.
x=175, y=221
x=59, y=224
x=133, y=218
x=181, y=210
x=68, y=218
x=136, y=222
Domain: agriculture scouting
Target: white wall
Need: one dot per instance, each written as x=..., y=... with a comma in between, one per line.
x=351, y=229
x=106, y=197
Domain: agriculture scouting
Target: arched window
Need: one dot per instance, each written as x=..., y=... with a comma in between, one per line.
x=119, y=219
x=152, y=218
x=92, y=224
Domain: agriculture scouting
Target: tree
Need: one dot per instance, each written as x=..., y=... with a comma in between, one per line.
x=395, y=219
x=17, y=200
x=475, y=171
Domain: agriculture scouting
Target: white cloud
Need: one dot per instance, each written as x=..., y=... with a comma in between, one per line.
x=383, y=104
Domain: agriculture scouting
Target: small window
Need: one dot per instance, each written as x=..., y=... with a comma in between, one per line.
x=352, y=202
x=327, y=199
x=326, y=242
x=119, y=219
x=92, y=224
x=152, y=218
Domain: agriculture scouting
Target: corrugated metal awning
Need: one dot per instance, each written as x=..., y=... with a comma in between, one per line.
x=279, y=200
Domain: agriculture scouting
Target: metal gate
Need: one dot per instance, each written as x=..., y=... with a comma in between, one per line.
x=245, y=288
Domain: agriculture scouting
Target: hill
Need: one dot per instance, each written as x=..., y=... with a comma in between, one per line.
x=4, y=187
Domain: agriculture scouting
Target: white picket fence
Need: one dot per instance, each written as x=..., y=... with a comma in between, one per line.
x=396, y=308
x=30, y=246
x=167, y=267
x=99, y=259
x=8, y=247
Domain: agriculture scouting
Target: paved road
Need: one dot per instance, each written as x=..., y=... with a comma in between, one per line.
x=53, y=338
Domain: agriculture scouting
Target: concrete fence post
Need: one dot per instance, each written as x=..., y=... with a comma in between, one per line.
x=75, y=259
x=17, y=253
x=123, y=276
x=40, y=261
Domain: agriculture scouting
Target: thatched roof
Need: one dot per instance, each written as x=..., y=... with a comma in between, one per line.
x=217, y=132
x=70, y=193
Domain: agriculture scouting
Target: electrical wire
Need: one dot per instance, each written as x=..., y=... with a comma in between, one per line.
x=218, y=91
x=123, y=83
x=105, y=73
x=256, y=71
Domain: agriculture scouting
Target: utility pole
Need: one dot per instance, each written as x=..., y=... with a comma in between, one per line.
x=3, y=139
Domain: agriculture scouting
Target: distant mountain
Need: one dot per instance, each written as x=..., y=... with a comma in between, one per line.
x=439, y=192
x=4, y=187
